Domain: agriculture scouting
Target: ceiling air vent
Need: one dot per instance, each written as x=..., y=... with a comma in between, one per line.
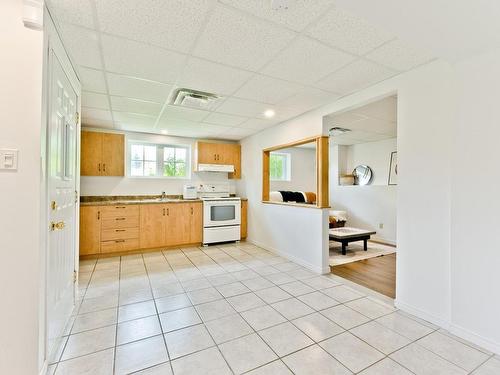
x=336, y=131
x=195, y=99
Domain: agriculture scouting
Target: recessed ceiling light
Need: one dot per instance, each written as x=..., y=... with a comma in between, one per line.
x=164, y=131
x=269, y=113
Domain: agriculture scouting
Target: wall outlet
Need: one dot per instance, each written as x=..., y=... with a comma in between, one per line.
x=381, y=226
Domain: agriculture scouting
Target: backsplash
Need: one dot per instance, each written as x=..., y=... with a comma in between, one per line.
x=146, y=186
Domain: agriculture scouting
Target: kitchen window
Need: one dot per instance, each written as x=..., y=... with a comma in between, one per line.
x=280, y=166
x=158, y=160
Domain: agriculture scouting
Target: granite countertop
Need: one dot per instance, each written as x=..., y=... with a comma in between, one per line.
x=111, y=200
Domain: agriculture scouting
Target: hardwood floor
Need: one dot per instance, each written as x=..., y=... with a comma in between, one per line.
x=378, y=273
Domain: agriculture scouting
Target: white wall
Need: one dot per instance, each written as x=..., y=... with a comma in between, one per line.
x=475, y=260
x=426, y=107
x=377, y=155
x=298, y=233
x=370, y=205
x=303, y=170
x=20, y=127
x=144, y=186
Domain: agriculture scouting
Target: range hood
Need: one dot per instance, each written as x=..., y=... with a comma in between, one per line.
x=215, y=168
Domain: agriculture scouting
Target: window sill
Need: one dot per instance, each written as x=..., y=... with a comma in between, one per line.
x=304, y=205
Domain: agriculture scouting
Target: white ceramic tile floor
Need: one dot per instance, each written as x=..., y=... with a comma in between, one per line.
x=240, y=309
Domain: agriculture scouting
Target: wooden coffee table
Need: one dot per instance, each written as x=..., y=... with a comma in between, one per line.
x=348, y=234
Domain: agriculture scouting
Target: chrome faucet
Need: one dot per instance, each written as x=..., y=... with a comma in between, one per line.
x=163, y=195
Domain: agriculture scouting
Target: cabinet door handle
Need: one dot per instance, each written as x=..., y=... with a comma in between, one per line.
x=99, y=166
x=118, y=241
x=120, y=230
x=191, y=210
x=215, y=157
x=98, y=215
x=120, y=218
x=120, y=207
x=168, y=211
x=104, y=167
x=163, y=212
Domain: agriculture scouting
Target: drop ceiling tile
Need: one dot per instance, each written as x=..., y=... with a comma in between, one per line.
x=308, y=99
x=211, y=128
x=306, y=61
x=119, y=103
x=355, y=76
x=171, y=123
x=257, y=124
x=96, y=114
x=344, y=141
x=398, y=55
x=124, y=119
x=172, y=24
x=173, y=112
x=82, y=45
x=348, y=32
x=267, y=90
x=241, y=107
x=138, y=88
x=224, y=119
x=211, y=77
x=345, y=119
x=384, y=109
x=296, y=17
x=76, y=12
x=234, y=38
x=90, y=122
x=92, y=79
x=366, y=136
x=135, y=127
x=93, y=100
x=236, y=133
x=141, y=60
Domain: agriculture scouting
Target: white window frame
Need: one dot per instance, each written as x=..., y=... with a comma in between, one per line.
x=288, y=166
x=159, y=159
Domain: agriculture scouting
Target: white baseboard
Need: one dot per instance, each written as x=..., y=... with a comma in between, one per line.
x=303, y=263
x=431, y=318
x=474, y=338
x=450, y=327
x=384, y=240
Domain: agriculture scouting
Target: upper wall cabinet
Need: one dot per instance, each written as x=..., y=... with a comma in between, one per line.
x=103, y=154
x=220, y=153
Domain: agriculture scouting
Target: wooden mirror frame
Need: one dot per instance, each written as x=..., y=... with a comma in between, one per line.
x=322, y=196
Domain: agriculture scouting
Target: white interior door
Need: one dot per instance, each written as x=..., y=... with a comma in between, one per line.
x=61, y=170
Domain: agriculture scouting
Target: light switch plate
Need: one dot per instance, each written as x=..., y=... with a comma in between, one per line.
x=8, y=159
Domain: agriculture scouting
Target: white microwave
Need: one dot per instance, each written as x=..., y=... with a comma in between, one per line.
x=189, y=192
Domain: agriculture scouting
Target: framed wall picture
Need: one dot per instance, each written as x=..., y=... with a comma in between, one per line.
x=393, y=169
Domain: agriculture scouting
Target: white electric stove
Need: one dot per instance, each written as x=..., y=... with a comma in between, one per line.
x=221, y=214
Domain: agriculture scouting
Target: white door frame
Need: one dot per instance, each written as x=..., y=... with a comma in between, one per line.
x=52, y=42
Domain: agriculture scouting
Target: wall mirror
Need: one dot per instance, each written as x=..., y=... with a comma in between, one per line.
x=296, y=173
x=362, y=175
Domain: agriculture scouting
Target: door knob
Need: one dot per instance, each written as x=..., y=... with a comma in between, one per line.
x=57, y=226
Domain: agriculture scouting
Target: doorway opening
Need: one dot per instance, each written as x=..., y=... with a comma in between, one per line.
x=363, y=194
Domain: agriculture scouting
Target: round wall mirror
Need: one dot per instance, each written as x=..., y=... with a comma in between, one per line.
x=362, y=175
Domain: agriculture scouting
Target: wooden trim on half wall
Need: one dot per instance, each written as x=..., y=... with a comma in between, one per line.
x=322, y=196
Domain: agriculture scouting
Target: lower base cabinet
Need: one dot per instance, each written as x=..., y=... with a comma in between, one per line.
x=109, y=229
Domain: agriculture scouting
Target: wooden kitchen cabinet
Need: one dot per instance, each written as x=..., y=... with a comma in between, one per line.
x=90, y=230
x=102, y=154
x=152, y=225
x=220, y=153
x=244, y=219
x=196, y=230
x=116, y=228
